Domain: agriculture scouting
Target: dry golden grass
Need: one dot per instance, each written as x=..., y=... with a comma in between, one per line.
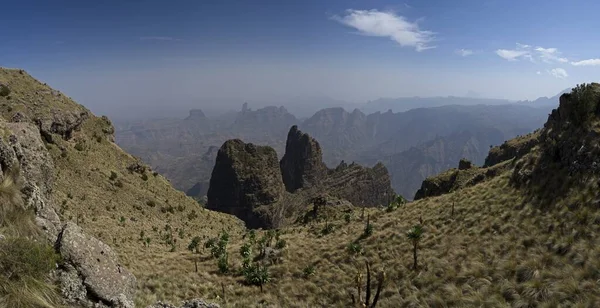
x=497, y=250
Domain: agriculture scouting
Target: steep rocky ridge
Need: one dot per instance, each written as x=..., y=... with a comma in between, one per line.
x=247, y=181
x=246, y=178
x=302, y=164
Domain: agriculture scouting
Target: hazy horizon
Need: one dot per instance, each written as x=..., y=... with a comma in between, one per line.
x=125, y=59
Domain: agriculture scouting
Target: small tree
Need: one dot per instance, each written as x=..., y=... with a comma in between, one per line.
x=414, y=235
x=257, y=275
x=193, y=247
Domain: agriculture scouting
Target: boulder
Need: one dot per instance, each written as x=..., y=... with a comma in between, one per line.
x=245, y=179
x=194, y=303
x=94, y=265
x=464, y=164
x=302, y=165
x=60, y=123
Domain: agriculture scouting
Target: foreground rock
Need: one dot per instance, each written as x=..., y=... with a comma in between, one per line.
x=91, y=275
x=96, y=266
x=245, y=180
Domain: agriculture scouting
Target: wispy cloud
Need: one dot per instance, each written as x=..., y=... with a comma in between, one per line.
x=464, y=52
x=159, y=38
x=524, y=51
x=550, y=55
x=588, y=62
x=538, y=72
x=512, y=54
x=388, y=24
x=558, y=73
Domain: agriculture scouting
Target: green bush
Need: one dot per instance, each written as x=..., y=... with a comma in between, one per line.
x=586, y=98
x=4, y=91
x=246, y=250
x=280, y=244
x=354, y=248
x=308, y=271
x=223, y=263
x=257, y=275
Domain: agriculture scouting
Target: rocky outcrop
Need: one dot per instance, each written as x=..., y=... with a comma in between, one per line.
x=246, y=178
x=23, y=149
x=196, y=115
x=60, y=123
x=302, y=165
x=568, y=144
x=94, y=265
x=248, y=182
x=87, y=277
x=514, y=148
x=362, y=186
x=194, y=303
x=465, y=164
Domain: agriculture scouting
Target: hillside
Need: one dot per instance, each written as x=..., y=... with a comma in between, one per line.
x=107, y=192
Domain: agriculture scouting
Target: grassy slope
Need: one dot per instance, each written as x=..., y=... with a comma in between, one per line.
x=85, y=193
x=497, y=250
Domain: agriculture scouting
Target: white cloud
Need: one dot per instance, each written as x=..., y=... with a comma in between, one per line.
x=464, y=52
x=388, y=24
x=512, y=55
x=558, y=73
x=550, y=55
x=538, y=72
x=546, y=55
x=159, y=38
x=588, y=62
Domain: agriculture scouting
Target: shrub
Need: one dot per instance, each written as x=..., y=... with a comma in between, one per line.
x=4, y=90
x=354, y=248
x=144, y=177
x=308, y=271
x=280, y=244
x=113, y=176
x=192, y=215
x=327, y=229
x=257, y=276
x=586, y=98
x=151, y=203
x=79, y=146
x=223, y=263
x=347, y=218
x=246, y=251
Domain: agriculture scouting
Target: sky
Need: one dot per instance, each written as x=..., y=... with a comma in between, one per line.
x=125, y=57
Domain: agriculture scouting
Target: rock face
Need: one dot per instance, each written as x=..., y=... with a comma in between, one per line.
x=96, y=265
x=514, y=148
x=245, y=179
x=248, y=182
x=88, y=277
x=362, y=186
x=302, y=165
x=60, y=123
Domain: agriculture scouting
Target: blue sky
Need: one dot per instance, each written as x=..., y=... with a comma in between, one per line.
x=110, y=54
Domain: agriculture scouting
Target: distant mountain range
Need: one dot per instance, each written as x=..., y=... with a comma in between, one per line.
x=413, y=144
